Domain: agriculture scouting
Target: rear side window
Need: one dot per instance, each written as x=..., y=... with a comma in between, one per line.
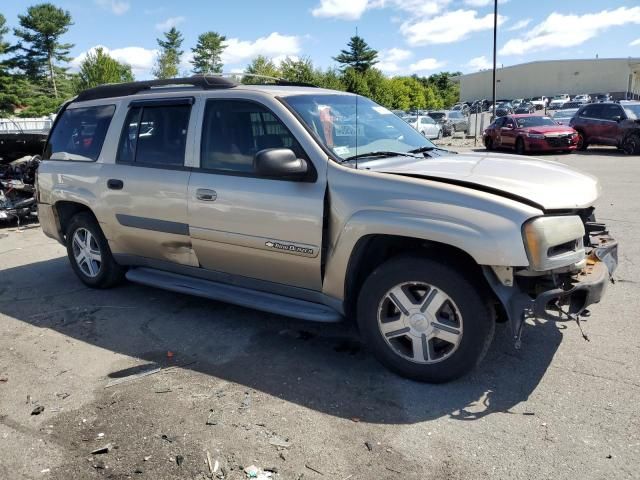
x=610, y=112
x=79, y=133
x=592, y=111
x=155, y=135
x=234, y=131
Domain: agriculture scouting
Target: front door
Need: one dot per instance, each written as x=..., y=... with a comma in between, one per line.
x=246, y=225
x=508, y=133
x=146, y=189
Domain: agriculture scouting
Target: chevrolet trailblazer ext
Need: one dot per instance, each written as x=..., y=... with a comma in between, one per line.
x=320, y=205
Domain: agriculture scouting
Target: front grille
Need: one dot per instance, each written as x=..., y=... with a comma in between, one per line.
x=559, y=141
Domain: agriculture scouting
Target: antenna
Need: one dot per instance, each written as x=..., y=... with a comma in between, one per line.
x=357, y=85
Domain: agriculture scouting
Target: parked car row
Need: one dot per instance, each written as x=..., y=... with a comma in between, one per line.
x=611, y=124
x=438, y=123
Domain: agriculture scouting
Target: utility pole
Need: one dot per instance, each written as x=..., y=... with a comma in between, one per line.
x=495, y=39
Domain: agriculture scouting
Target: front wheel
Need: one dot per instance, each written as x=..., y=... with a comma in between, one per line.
x=424, y=320
x=439, y=137
x=89, y=253
x=488, y=143
x=520, y=148
x=582, y=142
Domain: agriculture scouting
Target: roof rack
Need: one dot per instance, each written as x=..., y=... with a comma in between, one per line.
x=205, y=82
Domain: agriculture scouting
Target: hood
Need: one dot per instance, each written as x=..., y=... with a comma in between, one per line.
x=541, y=183
x=550, y=129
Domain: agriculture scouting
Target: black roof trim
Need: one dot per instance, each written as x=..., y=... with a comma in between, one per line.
x=205, y=82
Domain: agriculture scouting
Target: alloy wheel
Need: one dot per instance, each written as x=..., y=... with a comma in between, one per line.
x=420, y=323
x=86, y=252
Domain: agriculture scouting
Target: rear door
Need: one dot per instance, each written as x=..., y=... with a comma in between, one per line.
x=147, y=186
x=612, y=116
x=245, y=225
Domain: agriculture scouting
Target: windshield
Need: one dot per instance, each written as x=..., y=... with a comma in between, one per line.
x=332, y=117
x=525, y=122
x=456, y=114
x=568, y=113
x=437, y=115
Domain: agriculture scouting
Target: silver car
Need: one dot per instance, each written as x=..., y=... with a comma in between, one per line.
x=426, y=125
x=324, y=206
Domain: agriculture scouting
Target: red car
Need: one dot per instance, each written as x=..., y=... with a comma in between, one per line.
x=530, y=133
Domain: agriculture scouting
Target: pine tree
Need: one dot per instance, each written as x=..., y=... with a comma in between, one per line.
x=359, y=55
x=168, y=60
x=261, y=65
x=39, y=44
x=8, y=98
x=207, y=53
x=99, y=68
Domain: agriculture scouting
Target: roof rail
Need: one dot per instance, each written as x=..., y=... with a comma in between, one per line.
x=205, y=82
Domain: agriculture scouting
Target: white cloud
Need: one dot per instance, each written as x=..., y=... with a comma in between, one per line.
x=562, y=31
x=449, y=27
x=519, y=25
x=635, y=43
x=388, y=60
x=140, y=59
x=274, y=45
x=345, y=10
x=482, y=3
x=353, y=9
x=118, y=7
x=426, y=65
x=169, y=23
x=479, y=63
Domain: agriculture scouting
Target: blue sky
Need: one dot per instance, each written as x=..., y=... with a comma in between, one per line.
x=412, y=36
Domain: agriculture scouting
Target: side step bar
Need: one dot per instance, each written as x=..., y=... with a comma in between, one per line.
x=245, y=297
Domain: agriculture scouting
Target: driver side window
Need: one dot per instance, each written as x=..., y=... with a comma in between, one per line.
x=234, y=131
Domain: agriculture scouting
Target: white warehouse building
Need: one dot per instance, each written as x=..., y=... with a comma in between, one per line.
x=619, y=77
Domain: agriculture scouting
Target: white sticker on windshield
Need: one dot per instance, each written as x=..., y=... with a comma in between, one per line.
x=382, y=110
x=341, y=150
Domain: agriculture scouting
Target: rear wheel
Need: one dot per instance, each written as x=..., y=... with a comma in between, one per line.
x=520, y=148
x=424, y=320
x=631, y=144
x=89, y=253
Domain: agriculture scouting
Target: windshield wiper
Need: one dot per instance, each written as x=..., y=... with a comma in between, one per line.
x=427, y=149
x=381, y=153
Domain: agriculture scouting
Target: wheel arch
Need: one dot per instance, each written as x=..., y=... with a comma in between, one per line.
x=373, y=250
x=65, y=210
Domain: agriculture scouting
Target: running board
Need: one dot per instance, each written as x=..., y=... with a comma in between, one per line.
x=245, y=297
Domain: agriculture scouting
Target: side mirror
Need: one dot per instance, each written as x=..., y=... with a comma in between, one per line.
x=278, y=163
x=617, y=118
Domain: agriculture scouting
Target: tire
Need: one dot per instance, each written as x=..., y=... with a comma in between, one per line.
x=84, y=237
x=439, y=137
x=582, y=142
x=520, y=148
x=452, y=301
x=631, y=144
x=488, y=143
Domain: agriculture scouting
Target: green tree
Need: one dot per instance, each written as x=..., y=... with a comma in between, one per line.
x=8, y=97
x=358, y=56
x=207, y=53
x=330, y=78
x=168, y=60
x=355, y=82
x=298, y=70
x=262, y=65
x=39, y=44
x=99, y=68
x=379, y=87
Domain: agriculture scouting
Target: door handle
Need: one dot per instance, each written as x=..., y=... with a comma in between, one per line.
x=115, y=184
x=206, y=195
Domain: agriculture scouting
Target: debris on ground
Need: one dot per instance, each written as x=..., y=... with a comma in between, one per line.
x=102, y=450
x=17, y=188
x=246, y=402
x=63, y=395
x=38, y=410
x=369, y=445
x=130, y=378
x=179, y=460
x=258, y=473
x=313, y=469
x=99, y=465
x=277, y=441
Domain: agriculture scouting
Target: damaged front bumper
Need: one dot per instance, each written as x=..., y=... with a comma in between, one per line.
x=558, y=297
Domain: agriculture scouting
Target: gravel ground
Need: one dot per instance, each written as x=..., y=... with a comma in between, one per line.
x=249, y=388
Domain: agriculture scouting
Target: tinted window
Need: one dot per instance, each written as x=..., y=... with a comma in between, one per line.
x=509, y=123
x=234, y=131
x=80, y=133
x=593, y=111
x=155, y=135
x=611, y=111
x=499, y=123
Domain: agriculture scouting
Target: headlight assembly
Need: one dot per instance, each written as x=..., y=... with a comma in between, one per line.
x=554, y=241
